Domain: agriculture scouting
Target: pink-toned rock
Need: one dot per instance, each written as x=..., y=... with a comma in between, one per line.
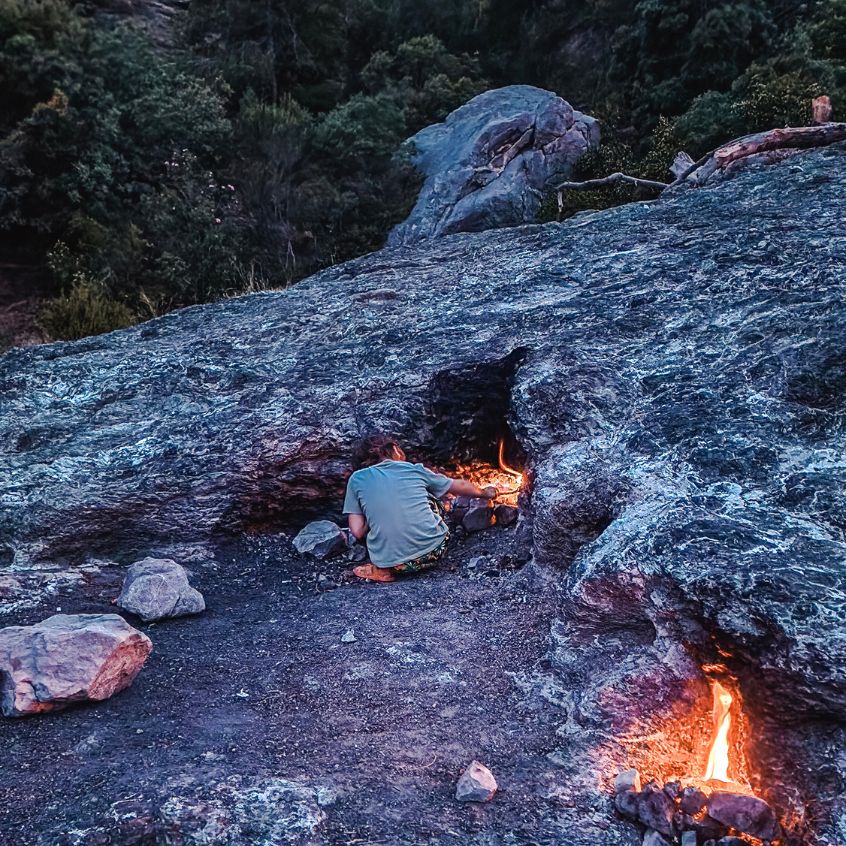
x=67, y=659
x=476, y=784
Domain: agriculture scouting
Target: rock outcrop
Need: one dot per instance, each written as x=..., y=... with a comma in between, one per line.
x=490, y=162
x=673, y=371
x=67, y=659
x=157, y=588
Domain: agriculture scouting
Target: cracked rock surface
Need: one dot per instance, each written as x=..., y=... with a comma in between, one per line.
x=490, y=162
x=674, y=372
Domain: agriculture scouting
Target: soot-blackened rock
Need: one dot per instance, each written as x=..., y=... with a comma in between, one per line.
x=744, y=813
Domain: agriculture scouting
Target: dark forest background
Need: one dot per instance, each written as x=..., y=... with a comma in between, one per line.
x=148, y=163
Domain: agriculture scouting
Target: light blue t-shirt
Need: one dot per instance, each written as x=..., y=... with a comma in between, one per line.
x=393, y=496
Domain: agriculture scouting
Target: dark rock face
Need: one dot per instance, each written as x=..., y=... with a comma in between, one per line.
x=488, y=164
x=672, y=370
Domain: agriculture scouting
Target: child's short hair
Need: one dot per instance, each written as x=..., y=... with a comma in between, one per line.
x=376, y=448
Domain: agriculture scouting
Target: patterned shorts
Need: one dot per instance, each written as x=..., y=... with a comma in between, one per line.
x=430, y=559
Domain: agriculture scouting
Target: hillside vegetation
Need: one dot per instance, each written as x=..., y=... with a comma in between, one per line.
x=263, y=141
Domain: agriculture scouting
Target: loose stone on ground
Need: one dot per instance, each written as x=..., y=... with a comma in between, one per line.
x=477, y=784
x=156, y=588
x=67, y=659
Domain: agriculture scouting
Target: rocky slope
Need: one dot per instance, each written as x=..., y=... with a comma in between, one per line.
x=674, y=373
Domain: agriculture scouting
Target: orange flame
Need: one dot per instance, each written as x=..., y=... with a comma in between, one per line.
x=518, y=476
x=718, y=757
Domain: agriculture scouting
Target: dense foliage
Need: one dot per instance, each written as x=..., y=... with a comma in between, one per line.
x=263, y=141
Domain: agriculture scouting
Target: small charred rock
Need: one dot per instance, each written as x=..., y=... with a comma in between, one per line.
x=357, y=553
x=653, y=838
x=655, y=809
x=477, y=518
x=506, y=515
x=626, y=802
x=744, y=813
x=672, y=789
x=325, y=582
x=692, y=800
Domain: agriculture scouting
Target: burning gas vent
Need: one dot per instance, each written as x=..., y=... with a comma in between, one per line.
x=715, y=807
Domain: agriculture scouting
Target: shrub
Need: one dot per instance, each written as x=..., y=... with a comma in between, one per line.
x=87, y=309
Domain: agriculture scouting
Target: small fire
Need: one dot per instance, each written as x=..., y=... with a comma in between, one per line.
x=516, y=474
x=718, y=757
x=505, y=479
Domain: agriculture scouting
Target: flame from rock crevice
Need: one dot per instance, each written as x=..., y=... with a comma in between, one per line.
x=507, y=480
x=718, y=756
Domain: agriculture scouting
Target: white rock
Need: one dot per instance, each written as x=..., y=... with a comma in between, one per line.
x=156, y=588
x=627, y=780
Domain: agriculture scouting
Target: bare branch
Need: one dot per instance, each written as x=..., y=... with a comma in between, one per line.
x=611, y=179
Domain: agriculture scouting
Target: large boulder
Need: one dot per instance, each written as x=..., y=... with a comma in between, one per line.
x=674, y=372
x=490, y=162
x=67, y=659
x=156, y=588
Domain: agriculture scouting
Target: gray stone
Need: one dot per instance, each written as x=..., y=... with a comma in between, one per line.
x=732, y=841
x=688, y=838
x=348, y=636
x=653, y=838
x=325, y=582
x=476, y=784
x=157, y=588
x=744, y=813
x=321, y=538
x=478, y=518
x=506, y=515
x=490, y=162
x=357, y=553
x=67, y=659
x=627, y=780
